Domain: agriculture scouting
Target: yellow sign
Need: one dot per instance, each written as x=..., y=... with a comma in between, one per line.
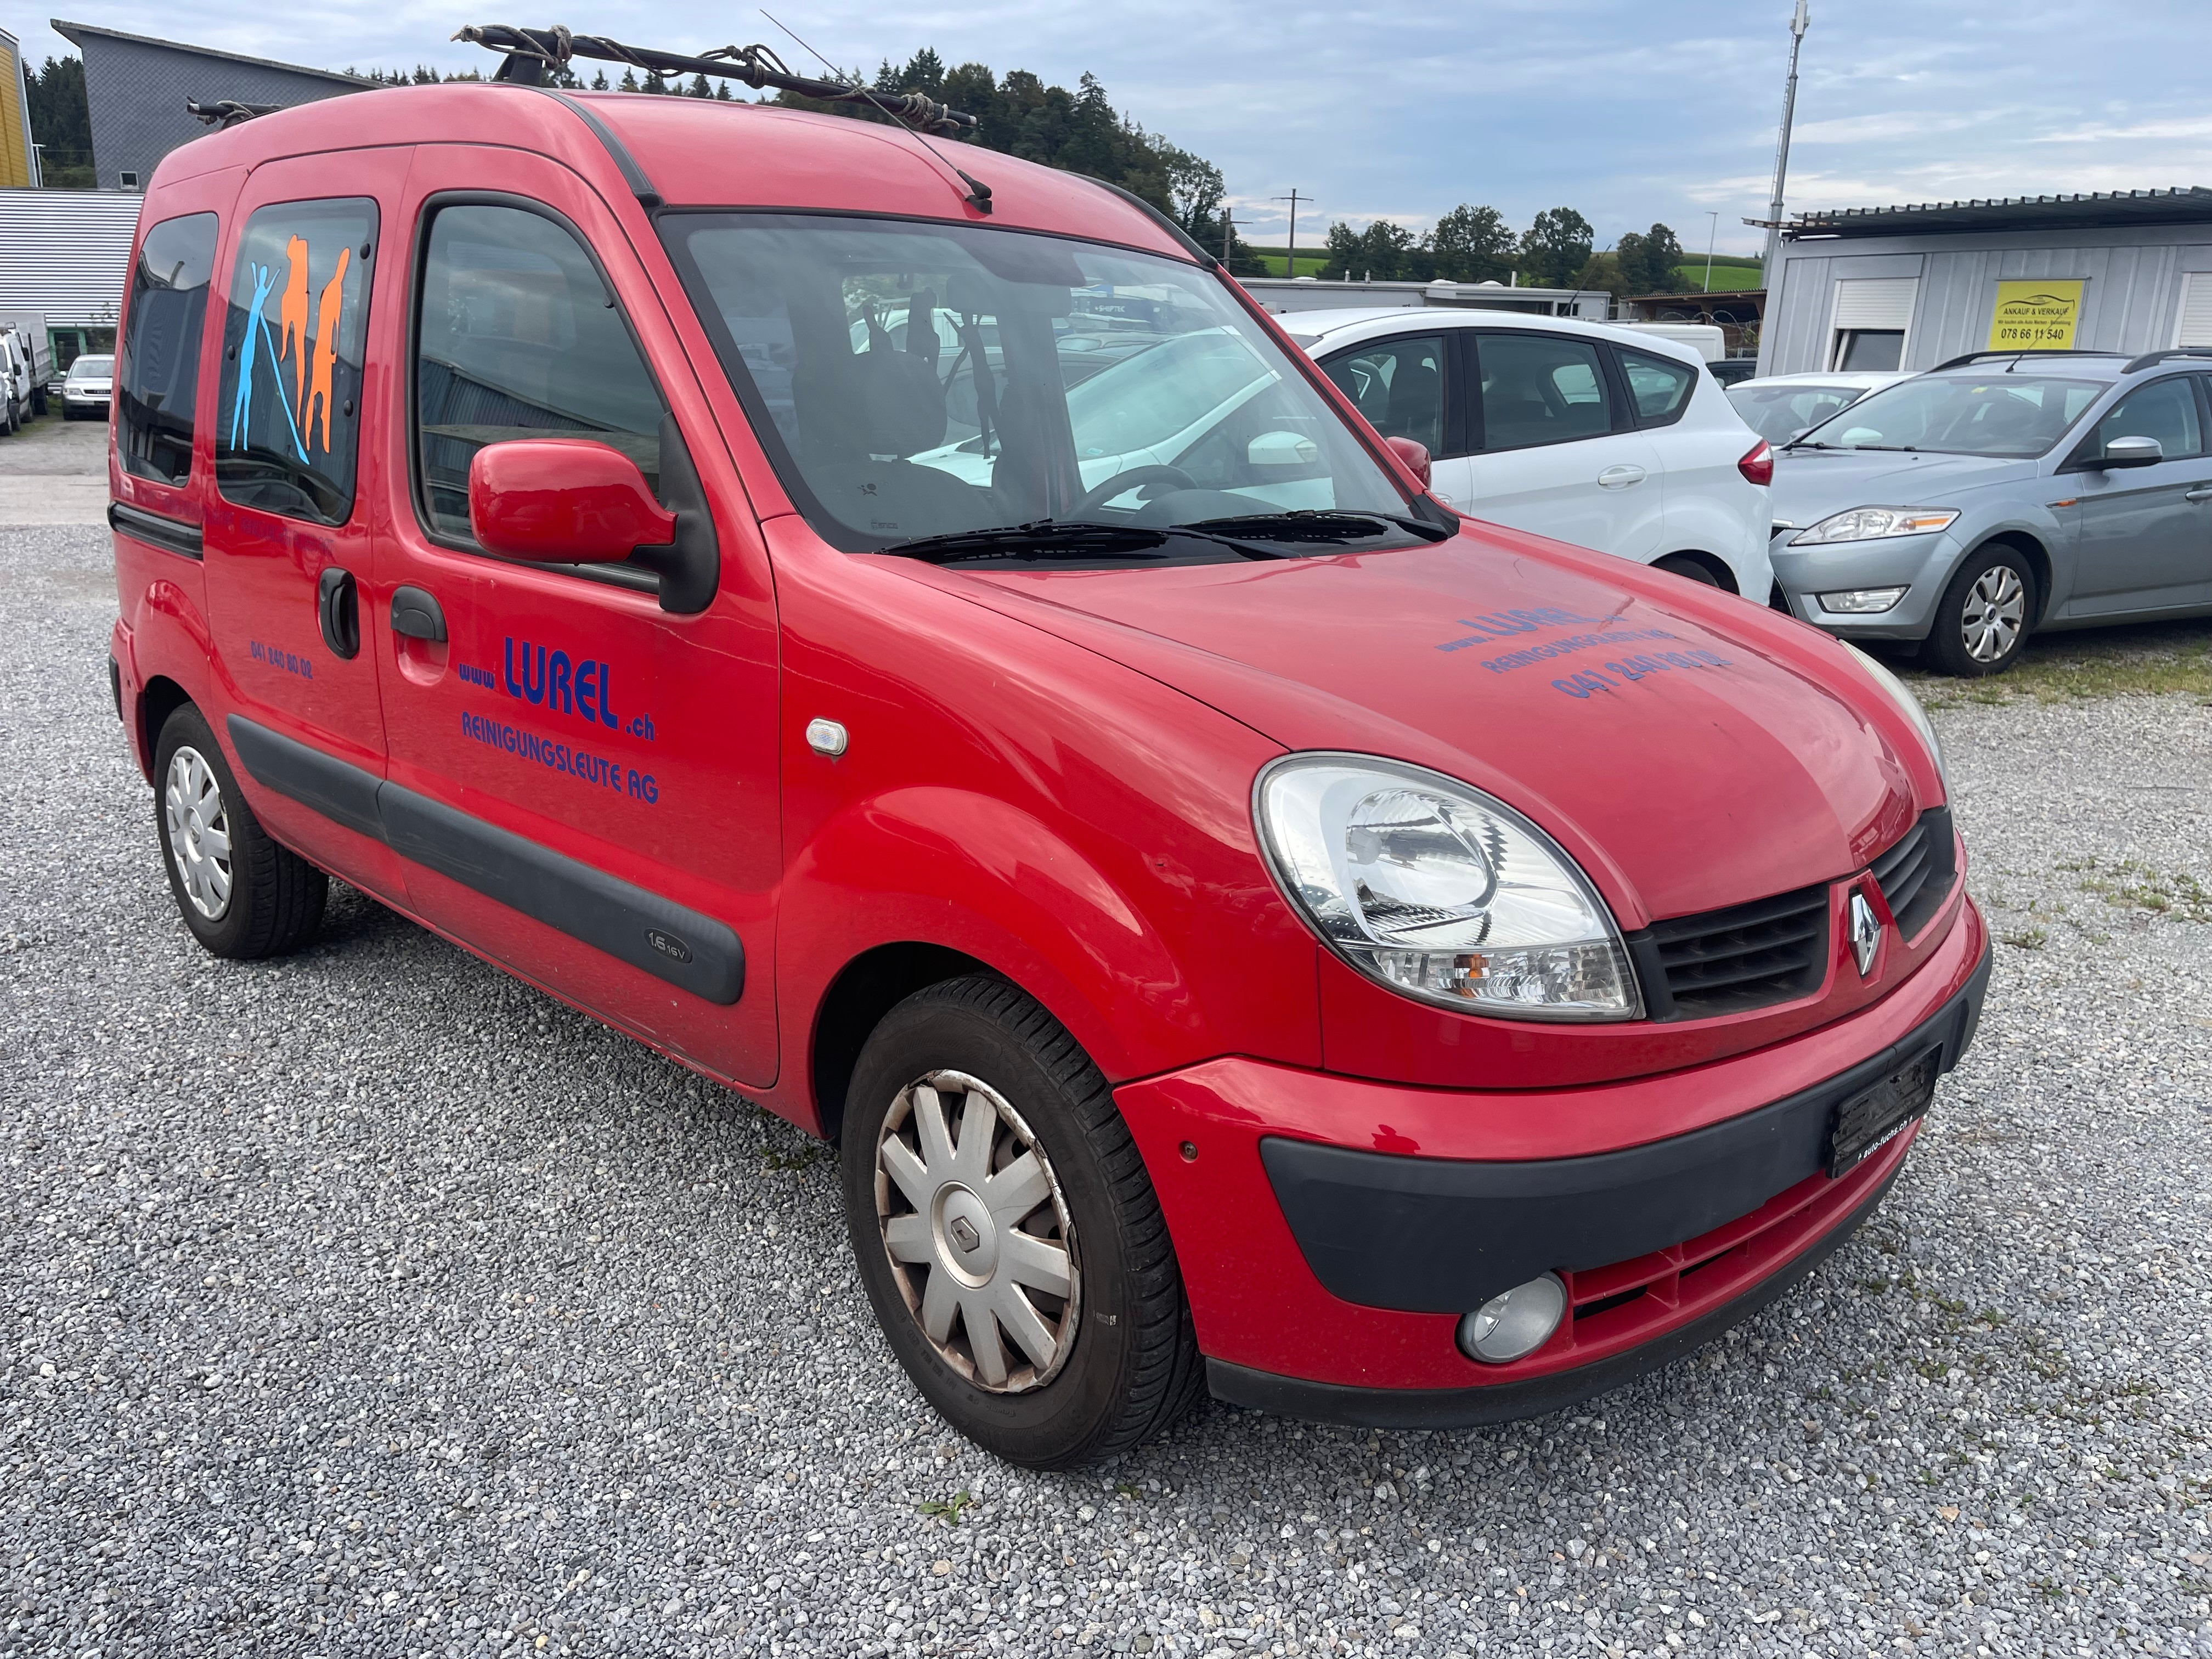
x=2036, y=316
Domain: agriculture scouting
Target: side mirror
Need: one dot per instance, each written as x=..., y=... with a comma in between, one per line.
x=1414, y=455
x=2132, y=452
x=1282, y=449
x=563, y=501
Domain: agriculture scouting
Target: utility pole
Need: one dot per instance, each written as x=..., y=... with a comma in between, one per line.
x=1228, y=231
x=1798, y=24
x=1290, y=266
x=1712, y=233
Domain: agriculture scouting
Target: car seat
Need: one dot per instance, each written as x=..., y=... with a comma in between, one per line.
x=860, y=417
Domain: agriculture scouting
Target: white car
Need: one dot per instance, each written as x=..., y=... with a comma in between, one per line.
x=88, y=388
x=1605, y=437
x=1779, y=407
x=14, y=383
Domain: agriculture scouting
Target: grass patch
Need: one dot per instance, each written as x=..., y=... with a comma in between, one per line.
x=1308, y=266
x=2129, y=885
x=2149, y=659
x=1729, y=275
x=946, y=1509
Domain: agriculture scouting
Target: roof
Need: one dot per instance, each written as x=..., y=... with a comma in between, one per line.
x=698, y=153
x=75, y=33
x=1313, y=326
x=2188, y=205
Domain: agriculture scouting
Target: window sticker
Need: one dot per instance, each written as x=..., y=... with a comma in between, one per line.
x=289, y=410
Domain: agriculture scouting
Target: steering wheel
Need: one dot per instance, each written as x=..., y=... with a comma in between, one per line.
x=1121, y=482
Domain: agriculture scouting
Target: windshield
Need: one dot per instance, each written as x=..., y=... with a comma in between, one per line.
x=87, y=367
x=1779, y=413
x=1961, y=415
x=917, y=380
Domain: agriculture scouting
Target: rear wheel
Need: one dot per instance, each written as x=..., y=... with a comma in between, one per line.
x=1008, y=1236
x=241, y=894
x=1982, y=619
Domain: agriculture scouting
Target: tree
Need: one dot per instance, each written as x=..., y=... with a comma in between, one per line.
x=698, y=88
x=1602, y=273
x=1556, y=248
x=1648, y=262
x=1472, y=245
x=61, y=123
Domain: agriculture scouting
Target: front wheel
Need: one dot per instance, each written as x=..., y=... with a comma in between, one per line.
x=1009, y=1238
x=1982, y=619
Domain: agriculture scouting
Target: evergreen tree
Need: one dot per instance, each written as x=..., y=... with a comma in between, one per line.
x=698, y=88
x=61, y=123
x=599, y=81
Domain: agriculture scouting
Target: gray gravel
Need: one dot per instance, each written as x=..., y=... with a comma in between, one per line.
x=368, y=1302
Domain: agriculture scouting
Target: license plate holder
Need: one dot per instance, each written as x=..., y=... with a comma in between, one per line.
x=1869, y=1119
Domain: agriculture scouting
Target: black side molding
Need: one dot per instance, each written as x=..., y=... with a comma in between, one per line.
x=691, y=950
x=170, y=535
x=1433, y=1234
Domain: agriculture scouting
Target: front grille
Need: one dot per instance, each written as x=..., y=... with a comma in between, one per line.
x=1725, y=962
x=1916, y=875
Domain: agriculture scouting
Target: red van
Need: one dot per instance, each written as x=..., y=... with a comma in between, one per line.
x=914, y=643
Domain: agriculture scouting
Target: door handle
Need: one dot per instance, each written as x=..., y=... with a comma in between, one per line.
x=417, y=615
x=2203, y=493
x=1620, y=477
x=338, y=609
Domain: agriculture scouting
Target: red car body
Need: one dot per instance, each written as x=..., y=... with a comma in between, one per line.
x=1049, y=775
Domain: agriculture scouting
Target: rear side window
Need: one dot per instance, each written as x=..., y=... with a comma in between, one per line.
x=289, y=418
x=1659, y=385
x=159, y=385
x=1541, y=389
x=1398, y=386
x=519, y=337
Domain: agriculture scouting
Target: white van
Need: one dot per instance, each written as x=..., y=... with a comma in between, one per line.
x=1589, y=434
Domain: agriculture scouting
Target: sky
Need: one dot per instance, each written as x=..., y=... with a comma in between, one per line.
x=1628, y=112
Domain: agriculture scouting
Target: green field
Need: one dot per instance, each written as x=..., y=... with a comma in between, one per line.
x=1728, y=275
x=1275, y=259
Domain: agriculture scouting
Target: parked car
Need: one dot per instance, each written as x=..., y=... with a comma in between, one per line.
x=88, y=388
x=14, y=385
x=1733, y=371
x=1779, y=407
x=2000, y=494
x=1244, y=926
x=1589, y=434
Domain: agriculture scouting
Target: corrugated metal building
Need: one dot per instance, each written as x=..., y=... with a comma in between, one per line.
x=1913, y=287
x=135, y=88
x=18, y=158
x=66, y=253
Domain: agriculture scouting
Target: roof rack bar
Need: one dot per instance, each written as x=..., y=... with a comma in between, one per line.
x=530, y=53
x=224, y=114
x=2151, y=358
x=2022, y=352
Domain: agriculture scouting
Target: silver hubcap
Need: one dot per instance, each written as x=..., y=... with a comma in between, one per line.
x=977, y=1233
x=1995, y=609
x=199, y=832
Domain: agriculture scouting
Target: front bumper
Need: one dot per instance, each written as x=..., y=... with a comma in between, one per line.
x=1921, y=564
x=1327, y=1267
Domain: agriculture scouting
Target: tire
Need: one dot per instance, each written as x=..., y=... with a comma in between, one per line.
x=262, y=900
x=1690, y=569
x=1110, y=1357
x=1984, y=616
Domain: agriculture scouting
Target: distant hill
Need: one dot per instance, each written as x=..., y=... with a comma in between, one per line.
x=1728, y=275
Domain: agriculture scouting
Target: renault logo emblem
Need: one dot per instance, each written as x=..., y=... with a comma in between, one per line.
x=1866, y=932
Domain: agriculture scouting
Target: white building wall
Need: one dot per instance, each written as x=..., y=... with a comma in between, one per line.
x=67, y=253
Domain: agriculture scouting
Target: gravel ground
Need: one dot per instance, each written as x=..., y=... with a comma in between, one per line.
x=368, y=1302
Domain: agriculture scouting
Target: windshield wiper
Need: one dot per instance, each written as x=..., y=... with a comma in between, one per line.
x=1055, y=539
x=1804, y=443
x=1309, y=523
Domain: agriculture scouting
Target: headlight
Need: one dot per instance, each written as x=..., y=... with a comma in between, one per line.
x=1872, y=524
x=1901, y=695
x=1441, y=892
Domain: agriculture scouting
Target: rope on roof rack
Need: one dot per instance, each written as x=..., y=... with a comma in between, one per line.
x=224, y=114
x=528, y=53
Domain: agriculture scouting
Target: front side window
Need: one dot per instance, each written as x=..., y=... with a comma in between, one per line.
x=519, y=337
x=1660, y=386
x=159, y=385
x=2165, y=409
x=2002, y=414
x=288, y=416
x=1541, y=389
x=1398, y=386
x=912, y=380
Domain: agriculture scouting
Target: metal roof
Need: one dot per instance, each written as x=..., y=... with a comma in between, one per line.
x=74, y=33
x=2190, y=204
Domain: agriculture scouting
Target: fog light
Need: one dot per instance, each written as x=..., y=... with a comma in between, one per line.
x=1516, y=1324
x=1862, y=601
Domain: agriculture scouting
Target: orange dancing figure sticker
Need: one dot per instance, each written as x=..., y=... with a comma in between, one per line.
x=317, y=409
x=292, y=315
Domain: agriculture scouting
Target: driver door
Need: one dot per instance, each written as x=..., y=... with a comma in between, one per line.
x=2144, y=541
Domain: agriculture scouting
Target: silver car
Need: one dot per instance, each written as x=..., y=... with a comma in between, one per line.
x=1999, y=494
x=89, y=388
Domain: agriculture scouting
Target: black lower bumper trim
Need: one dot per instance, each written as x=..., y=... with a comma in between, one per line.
x=1433, y=1234
x=1505, y=1402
